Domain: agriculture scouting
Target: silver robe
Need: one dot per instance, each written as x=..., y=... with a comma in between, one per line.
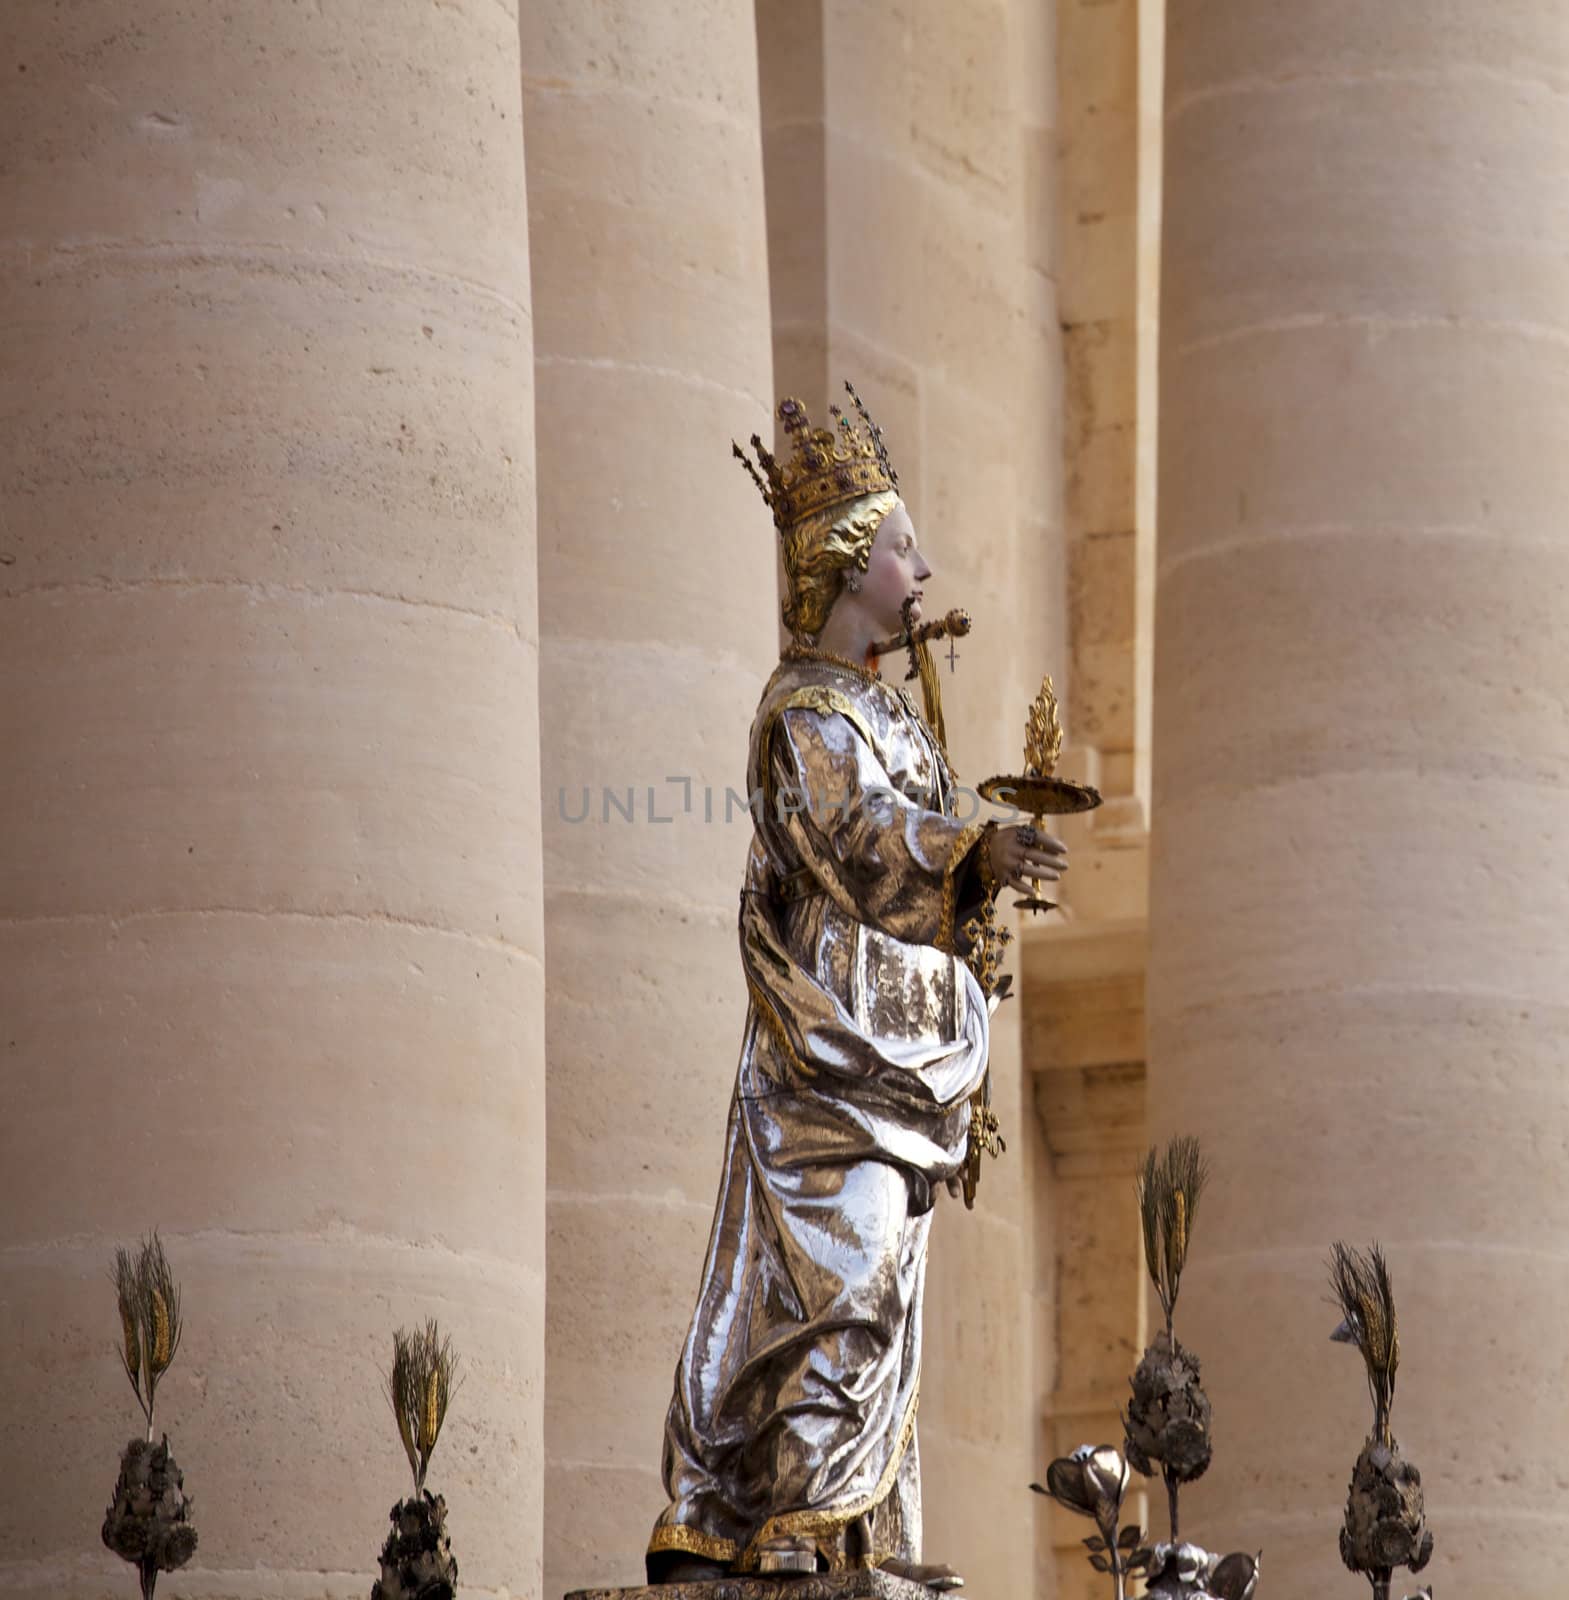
x=795, y=1395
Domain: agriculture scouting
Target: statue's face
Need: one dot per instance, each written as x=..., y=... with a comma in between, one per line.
x=895, y=571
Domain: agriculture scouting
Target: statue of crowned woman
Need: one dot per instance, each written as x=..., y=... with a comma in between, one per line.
x=865, y=918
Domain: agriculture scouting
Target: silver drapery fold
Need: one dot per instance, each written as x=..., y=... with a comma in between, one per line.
x=795, y=1395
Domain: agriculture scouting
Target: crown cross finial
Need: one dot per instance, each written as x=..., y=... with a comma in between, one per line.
x=876, y=433
x=823, y=470
x=745, y=460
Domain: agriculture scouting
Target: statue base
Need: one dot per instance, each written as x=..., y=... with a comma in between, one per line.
x=862, y=1584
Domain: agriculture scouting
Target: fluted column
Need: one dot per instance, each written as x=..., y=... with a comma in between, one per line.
x=270, y=924
x=659, y=626
x=1361, y=862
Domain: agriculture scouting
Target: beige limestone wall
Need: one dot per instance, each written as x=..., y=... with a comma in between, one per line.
x=270, y=940
x=658, y=629
x=1084, y=1045
x=1107, y=201
x=1361, y=868
x=909, y=157
x=1084, y=972
x=1098, y=196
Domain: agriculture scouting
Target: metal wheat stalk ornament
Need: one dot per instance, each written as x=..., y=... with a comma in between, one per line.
x=1168, y=1418
x=1384, y=1511
x=417, y=1561
x=148, y=1521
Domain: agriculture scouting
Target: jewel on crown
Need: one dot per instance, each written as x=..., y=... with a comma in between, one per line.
x=827, y=466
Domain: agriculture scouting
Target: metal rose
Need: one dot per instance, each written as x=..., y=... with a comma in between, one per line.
x=1104, y=1470
x=1092, y=1481
x=1189, y=1572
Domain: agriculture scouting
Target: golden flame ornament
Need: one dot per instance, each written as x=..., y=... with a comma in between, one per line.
x=1043, y=733
x=1037, y=790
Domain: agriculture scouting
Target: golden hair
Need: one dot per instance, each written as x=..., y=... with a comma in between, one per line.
x=820, y=549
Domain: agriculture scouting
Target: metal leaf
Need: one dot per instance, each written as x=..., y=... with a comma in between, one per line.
x=1424, y=1552
x=1235, y=1577
x=1065, y=1484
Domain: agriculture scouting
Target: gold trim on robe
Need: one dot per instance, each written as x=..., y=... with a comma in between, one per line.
x=814, y=1524
x=692, y=1542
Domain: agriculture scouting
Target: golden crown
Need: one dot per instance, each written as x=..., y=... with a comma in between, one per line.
x=826, y=467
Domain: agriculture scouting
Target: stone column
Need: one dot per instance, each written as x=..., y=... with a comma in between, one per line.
x=1361, y=861
x=659, y=626
x=270, y=920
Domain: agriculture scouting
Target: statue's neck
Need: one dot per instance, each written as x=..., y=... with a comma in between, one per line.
x=847, y=633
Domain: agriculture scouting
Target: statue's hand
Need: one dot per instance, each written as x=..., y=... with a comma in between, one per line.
x=1022, y=852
